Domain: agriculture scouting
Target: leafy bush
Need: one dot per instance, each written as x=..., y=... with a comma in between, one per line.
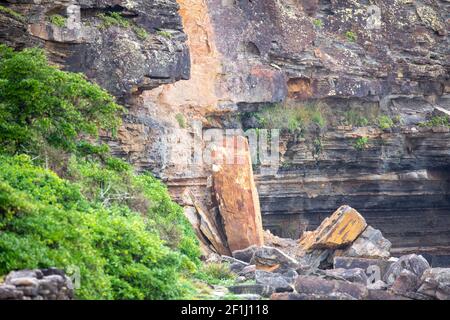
x=385, y=122
x=164, y=33
x=437, y=121
x=45, y=221
x=216, y=273
x=42, y=106
x=58, y=20
x=289, y=118
x=113, y=19
x=361, y=143
x=351, y=36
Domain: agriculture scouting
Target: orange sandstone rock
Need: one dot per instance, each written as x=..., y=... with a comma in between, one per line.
x=340, y=229
x=236, y=195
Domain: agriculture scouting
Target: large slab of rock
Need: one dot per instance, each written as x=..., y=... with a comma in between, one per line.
x=315, y=286
x=356, y=275
x=436, y=283
x=369, y=244
x=273, y=260
x=236, y=195
x=336, y=231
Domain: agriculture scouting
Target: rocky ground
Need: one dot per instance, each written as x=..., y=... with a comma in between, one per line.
x=343, y=259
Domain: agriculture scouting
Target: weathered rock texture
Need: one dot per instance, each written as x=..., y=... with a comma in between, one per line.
x=236, y=195
x=46, y=284
x=390, y=59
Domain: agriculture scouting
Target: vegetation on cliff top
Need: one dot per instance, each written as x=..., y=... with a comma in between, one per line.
x=120, y=228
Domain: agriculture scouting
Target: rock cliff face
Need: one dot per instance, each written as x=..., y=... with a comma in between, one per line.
x=217, y=61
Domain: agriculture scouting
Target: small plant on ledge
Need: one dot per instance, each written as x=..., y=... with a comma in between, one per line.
x=58, y=20
x=351, y=36
x=361, y=143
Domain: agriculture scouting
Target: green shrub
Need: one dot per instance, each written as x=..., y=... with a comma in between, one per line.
x=351, y=36
x=113, y=19
x=46, y=221
x=12, y=13
x=361, y=143
x=164, y=33
x=289, y=118
x=318, y=23
x=140, y=32
x=216, y=273
x=58, y=20
x=436, y=121
x=42, y=106
x=385, y=122
x=181, y=120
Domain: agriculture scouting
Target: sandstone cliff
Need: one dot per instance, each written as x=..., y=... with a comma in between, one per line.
x=220, y=61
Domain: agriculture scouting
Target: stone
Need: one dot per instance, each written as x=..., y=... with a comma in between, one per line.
x=276, y=281
x=417, y=264
x=356, y=275
x=377, y=285
x=369, y=244
x=436, y=283
x=236, y=265
x=379, y=294
x=375, y=269
x=258, y=289
x=338, y=230
x=251, y=297
x=9, y=292
x=236, y=194
x=302, y=296
x=248, y=272
x=406, y=281
x=245, y=254
x=272, y=260
x=315, y=286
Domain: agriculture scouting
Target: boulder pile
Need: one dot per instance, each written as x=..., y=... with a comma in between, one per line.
x=46, y=284
x=343, y=259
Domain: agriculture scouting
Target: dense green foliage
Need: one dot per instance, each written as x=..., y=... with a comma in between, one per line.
x=42, y=106
x=289, y=118
x=58, y=20
x=436, y=121
x=120, y=228
x=361, y=143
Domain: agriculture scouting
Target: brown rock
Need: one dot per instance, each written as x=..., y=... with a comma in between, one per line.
x=316, y=286
x=236, y=195
x=340, y=229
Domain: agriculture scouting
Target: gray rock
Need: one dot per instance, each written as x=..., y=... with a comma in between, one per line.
x=248, y=297
x=407, y=281
x=377, y=285
x=248, y=272
x=303, y=296
x=276, y=281
x=436, y=283
x=412, y=262
x=273, y=259
x=375, y=268
x=317, y=286
x=9, y=292
x=258, y=289
x=356, y=275
x=369, y=244
x=245, y=254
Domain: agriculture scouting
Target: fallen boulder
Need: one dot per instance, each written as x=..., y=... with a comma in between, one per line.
x=245, y=254
x=436, y=283
x=272, y=260
x=369, y=244
x=375, y=268
x=417, y=264
x=336, y=231
x=356, y=275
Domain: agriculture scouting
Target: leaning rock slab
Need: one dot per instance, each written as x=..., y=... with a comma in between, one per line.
x=436, y=283
x=276, y=281
x=236, y=195
x=338, y=230
x=356, y=275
